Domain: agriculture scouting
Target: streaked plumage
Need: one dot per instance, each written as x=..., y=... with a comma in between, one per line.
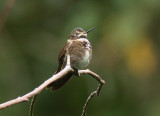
x=80, y=51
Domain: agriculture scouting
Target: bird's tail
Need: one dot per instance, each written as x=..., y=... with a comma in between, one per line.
x=60, y=82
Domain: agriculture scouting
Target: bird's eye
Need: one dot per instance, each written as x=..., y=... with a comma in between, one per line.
x=76, y=34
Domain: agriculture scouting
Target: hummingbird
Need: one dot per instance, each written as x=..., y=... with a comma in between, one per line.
x=80, y=51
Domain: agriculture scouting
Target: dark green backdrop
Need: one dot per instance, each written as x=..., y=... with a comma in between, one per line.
x=126, y=55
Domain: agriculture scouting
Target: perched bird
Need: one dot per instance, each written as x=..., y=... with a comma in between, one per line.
x=80, y=51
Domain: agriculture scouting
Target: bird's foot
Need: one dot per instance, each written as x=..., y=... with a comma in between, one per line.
x=76, y=72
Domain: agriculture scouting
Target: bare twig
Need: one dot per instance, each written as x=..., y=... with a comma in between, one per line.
x=40, y=88
x=97, y=92
x=5, y=12
x=37, y=90
x=32, y=104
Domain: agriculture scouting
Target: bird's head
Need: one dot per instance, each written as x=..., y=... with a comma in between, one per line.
x=79, y=33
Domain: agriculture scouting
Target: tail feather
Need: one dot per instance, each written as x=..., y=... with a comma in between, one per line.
x=60, y=82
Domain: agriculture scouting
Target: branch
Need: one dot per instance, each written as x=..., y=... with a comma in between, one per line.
x=62, y=73
x=37, y=90
x=5, y=12
x=32, y=104
x=97, y=92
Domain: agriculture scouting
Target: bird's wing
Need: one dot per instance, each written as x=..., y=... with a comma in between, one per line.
x=61, y=58
x=61, y=63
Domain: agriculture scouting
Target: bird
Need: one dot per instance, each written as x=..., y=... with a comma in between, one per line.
x=79, y=49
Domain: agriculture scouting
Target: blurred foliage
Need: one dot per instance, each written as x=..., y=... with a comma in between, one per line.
x=126, y=55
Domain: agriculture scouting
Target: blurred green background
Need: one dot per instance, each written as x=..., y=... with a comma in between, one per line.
x=126, y=53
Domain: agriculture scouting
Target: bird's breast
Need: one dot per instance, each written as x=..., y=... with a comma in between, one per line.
x=85, y=59
x=81, y=58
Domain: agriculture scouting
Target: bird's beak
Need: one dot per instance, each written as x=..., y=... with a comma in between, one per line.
x=90, y=30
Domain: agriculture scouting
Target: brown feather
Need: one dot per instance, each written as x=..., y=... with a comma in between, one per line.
x=80, y=51
x=61, y=64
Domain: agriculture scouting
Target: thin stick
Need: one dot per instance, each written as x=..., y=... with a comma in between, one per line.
x=32, y=104
x=97, y=92
x=37, y=90
x=5, y=12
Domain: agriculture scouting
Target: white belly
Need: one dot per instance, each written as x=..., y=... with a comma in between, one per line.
x=85, y=60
